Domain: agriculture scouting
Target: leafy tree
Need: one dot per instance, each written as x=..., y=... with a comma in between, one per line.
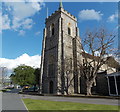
x=13, y=78
x=37, y=77
x=23, y=75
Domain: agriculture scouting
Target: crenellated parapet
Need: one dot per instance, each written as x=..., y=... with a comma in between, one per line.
x=61, y=11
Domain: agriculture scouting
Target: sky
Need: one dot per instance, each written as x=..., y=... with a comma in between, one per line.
x=22, y=24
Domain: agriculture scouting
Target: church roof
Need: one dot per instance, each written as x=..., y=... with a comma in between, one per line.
x=111, y=60
x=114, y=74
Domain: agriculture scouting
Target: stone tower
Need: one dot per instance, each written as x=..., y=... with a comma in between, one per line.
x=61, y=51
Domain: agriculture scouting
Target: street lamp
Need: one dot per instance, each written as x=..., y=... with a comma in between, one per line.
x=2, y=75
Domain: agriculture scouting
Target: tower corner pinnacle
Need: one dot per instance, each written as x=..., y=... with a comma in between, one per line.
x=60, y=5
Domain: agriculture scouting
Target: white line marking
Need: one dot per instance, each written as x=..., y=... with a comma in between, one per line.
x=24, y=103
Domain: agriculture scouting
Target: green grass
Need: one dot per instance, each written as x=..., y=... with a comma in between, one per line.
x=4, y=90
x=54, y=105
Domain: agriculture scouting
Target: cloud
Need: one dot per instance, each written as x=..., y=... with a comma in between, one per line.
x=33, y=61
x=5, y=22
x=37, y=33
x=0, y=22
x=22, y=24
x=27, y=24
x=18, y=15
x=113, y=17
x=16, y=23
x=24, y=9
x=90, y=15
x=116, y=28
x=21, y=33
x=22, y=1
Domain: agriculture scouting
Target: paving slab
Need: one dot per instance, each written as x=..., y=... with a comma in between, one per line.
x=12, y=101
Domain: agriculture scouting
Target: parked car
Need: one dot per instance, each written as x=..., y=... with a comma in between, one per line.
x=33, y=88
x=25, y=87
x=18, y=87
x=9, y=87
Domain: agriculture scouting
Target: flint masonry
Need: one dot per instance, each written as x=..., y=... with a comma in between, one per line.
x=61, y=47
x=61, y=56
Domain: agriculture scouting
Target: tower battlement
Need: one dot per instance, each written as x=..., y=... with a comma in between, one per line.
x=61, y=10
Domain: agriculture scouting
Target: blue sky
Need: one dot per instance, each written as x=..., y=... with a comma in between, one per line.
x=23, y=23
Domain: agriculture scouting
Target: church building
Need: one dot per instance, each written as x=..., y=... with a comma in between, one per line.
x=61, y=53
x=61, y=49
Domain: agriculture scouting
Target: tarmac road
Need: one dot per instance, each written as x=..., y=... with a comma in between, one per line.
x=76, y=99
x=12, y=101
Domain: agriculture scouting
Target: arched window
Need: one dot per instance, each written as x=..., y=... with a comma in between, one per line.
x=53, y=29
x=51, y=86
x=69, y=31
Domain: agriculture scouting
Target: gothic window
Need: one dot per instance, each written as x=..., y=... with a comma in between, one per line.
x=51, y=86
x=53, y=29
x=69, y=31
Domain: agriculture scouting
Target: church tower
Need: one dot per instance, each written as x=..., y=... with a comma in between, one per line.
x=61, y=49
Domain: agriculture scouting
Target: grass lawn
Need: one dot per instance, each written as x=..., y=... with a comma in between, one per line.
x=54, y=105
x=4, y=90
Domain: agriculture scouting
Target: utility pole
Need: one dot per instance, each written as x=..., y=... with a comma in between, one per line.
x=3, y=75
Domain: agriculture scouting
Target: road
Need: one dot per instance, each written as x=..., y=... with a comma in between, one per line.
x=12, y=101
x=78, y=100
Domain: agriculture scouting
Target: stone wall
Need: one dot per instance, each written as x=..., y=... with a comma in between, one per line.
x=59, y=47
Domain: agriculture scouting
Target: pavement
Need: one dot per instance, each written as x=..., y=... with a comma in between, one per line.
x=12, y=101
x=0, y=101
x=76, y=99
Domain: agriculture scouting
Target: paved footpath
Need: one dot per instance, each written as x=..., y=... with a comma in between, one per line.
x=0, y=101
x=78, y=100
x=12, y=101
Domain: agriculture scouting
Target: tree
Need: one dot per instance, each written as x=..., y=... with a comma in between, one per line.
x=23, y=75
x=98, y=45
x=37, y=77
x=67, y=79
x=13, y=78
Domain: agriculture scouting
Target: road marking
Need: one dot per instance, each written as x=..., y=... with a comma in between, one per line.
x=24, y=103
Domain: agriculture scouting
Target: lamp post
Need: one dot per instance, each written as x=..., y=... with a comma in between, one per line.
x=3, y=76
